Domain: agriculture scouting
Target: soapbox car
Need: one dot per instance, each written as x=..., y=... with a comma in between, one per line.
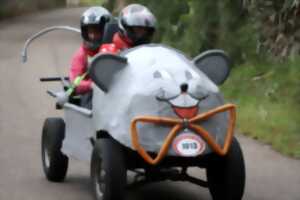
x=154, y=112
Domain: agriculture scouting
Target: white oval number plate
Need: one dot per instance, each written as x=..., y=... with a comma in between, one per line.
x=188, y=145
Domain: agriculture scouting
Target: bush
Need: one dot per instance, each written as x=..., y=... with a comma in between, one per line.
x=194, y=26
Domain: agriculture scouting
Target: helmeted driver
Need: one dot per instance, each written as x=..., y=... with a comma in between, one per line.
x=136, y=25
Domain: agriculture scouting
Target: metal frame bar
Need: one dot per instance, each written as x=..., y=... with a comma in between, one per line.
x=42, y=32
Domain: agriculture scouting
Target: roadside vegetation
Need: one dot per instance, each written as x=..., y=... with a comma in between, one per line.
x=91, y=2
x=268, y=100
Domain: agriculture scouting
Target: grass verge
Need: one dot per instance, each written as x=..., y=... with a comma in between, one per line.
x=268, y=99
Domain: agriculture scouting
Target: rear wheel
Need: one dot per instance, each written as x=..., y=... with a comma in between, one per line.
x=226, y=175
x=108, y=170
x=55, y=163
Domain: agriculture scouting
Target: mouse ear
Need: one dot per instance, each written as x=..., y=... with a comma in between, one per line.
x=215, y=64
x=103, y=69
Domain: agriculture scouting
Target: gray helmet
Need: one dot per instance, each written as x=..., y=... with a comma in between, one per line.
x=94, y=16
x=136, y=15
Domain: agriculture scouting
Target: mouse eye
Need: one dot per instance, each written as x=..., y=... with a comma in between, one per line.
x=188, y=75
x=162, y=74
x=157, y=74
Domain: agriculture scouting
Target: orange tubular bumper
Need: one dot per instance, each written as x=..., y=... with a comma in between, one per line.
x=177, y=125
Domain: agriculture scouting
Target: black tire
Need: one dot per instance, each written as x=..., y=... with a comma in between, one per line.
x=226, y=175
x=55, y=163
x=108, y=170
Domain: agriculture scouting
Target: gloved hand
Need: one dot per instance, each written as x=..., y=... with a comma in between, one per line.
x=62, y=98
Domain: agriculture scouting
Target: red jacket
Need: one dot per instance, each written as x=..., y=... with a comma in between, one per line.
x=119, y=43
x=80, y=60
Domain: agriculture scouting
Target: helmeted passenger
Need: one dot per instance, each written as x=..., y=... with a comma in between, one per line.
x=92, y=25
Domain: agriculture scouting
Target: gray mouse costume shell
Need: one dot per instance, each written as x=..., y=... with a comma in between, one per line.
x=155, y=71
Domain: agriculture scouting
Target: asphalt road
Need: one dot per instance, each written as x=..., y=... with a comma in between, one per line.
x=24, y=105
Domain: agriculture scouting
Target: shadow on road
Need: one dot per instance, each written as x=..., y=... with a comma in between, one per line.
x=168, y=191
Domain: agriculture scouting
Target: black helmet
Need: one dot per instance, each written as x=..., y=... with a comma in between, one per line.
x=135, y=17
x=97, y=17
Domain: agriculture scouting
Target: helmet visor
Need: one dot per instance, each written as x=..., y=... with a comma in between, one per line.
x=94, y=33
x=140, y=35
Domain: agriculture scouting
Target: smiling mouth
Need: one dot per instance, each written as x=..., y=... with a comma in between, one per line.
x=185, y=106
x=186, y=112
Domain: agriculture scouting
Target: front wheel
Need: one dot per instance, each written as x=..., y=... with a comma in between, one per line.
x=108, y=170
x=226, y=175
x=55, y=163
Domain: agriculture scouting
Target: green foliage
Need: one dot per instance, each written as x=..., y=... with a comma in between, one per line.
x=194, y=26
x=279, y=26
x=91, y=2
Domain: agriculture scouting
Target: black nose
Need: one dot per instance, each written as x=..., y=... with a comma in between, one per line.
x=184, y=87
